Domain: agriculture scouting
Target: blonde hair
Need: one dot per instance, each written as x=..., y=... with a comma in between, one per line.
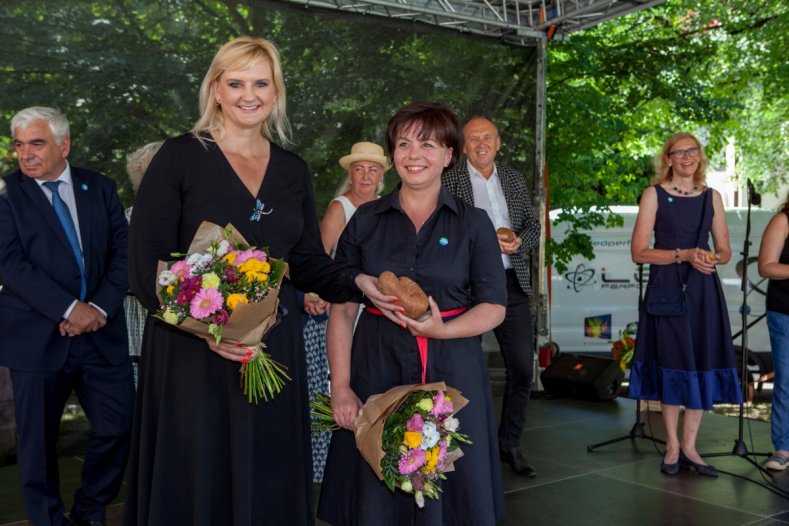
x=663, y=169
x=346, y=184
x=138, y=161
x=239, y=54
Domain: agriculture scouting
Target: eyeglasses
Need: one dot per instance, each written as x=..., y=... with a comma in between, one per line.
x=692, y=152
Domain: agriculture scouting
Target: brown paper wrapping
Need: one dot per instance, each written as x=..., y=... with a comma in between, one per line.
x=373, y=415
x=249, y=322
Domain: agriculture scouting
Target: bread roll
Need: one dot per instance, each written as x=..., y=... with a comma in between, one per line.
x=504, y=231
x=409, y=295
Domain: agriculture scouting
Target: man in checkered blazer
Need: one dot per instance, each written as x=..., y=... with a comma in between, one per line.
x=502, y=193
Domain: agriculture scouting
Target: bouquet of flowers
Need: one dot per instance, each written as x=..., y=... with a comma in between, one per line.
x=622, y=349
x=225, y=289
x=408, y=435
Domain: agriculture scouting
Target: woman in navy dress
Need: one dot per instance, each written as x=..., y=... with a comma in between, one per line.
x=450, y=249
x=683, y=360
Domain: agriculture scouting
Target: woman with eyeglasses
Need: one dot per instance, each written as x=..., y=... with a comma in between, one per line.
x=684, y=356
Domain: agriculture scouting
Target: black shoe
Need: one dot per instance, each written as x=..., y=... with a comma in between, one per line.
x=701, y=469
x=669, y=469
x=514, y=458
x=76, y=521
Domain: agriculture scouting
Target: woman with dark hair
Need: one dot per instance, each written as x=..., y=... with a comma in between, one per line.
x=774, y=264
x=201, y=453
x=450, y=249
x=683, y=359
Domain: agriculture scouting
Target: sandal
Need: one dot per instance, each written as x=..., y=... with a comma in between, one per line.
x=777, y=462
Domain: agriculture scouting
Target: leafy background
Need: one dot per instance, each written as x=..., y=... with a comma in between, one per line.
x=127, y=72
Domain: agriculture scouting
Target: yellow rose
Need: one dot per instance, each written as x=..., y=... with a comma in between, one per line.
x=412, y=439
x=235, y=299
x=210, y=280
x=170, y=317
x=254, y=265
x=230, y=257
x=425, y=404
x=256, y=276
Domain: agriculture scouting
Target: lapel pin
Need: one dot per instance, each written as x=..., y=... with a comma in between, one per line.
x=84, y=186
x=670, y=199
x=443, y=241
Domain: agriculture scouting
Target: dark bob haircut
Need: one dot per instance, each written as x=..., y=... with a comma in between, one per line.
x=433, y=120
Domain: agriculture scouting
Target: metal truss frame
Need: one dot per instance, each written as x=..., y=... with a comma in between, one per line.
x=516, y=22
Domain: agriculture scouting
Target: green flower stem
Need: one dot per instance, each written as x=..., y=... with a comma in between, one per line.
x=322, y=417
x=262, y=377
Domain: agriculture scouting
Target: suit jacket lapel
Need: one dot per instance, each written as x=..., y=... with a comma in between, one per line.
x=464, y=186
x=42, y=204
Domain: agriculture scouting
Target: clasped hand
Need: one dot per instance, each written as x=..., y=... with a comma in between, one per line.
x=82, y=318
x=702, y=260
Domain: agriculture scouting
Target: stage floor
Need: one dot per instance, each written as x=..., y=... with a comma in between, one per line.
x=617, y=484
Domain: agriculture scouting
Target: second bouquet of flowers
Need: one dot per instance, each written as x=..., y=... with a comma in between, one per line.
x=409, y=435
x=228, y=290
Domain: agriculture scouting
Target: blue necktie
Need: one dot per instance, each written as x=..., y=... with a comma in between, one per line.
x=62, y=211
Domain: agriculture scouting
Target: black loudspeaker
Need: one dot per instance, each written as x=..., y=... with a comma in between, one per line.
x=583, y=376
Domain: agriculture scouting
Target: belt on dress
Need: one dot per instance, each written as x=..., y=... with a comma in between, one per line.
x=421, y=341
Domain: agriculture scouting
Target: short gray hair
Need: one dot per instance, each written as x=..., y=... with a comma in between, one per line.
x=58, y=124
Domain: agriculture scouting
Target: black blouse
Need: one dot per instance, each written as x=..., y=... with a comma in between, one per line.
x=455, y=256
x=188, y=183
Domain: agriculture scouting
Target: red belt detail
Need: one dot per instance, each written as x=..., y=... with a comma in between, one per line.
x=421, y=341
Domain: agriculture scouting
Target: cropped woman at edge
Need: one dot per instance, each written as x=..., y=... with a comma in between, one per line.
x=450, y=249
x=685, y=360
x=201, y=454
x=774, y=264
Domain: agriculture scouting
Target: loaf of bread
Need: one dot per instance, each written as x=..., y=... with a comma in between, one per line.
x=504, y=231
x=409, y=295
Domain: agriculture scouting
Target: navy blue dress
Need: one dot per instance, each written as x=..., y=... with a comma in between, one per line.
x=685, y=360
x=455, y=258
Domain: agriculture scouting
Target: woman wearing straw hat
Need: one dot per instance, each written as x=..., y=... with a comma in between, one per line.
x=365, y=165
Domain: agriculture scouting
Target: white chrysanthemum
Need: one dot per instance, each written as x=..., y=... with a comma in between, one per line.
x=430, y=436
x=167, y=278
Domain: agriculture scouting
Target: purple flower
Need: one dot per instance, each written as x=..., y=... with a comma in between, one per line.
x=412, y=461
x=442, y=455
x=441, y=406
x=220, y=318
x=415, y=423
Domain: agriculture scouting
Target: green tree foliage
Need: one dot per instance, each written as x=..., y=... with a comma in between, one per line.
x=716, y=68
x=127, y=72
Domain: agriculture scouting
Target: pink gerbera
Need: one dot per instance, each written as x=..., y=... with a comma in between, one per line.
x=442, y=454
x=205, y=303
x=245, y=255
x=181, y=269
x=412, y=461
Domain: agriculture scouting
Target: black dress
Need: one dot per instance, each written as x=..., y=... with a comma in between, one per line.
x=685, y=360
x=201, y=454
x=455, y=258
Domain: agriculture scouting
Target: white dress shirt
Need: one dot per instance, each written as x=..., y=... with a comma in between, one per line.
x=489, y=196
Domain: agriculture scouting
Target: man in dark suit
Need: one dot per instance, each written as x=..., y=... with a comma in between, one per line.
x=64, y=274
x=502, y=193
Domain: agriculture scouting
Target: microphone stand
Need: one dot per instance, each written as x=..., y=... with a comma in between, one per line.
x=637, y=431
x=740, y=449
